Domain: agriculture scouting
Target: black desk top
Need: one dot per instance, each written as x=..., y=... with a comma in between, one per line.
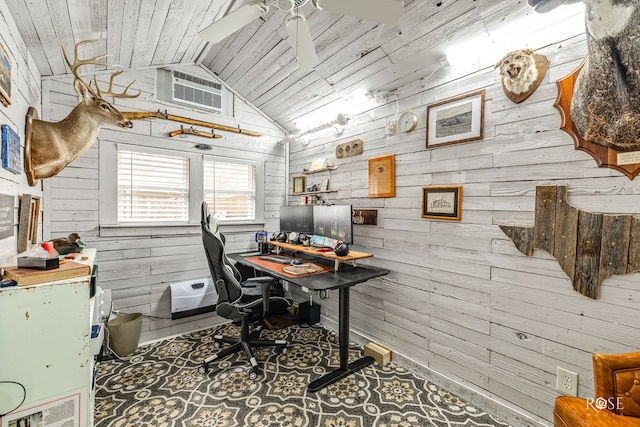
x=346, y=276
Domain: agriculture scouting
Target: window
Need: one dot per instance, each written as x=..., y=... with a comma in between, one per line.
x=149, y=188
x=152, y=187
x=230, y=189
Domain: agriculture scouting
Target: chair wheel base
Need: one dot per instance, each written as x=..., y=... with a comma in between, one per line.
x=253, y=375
x=203, y=369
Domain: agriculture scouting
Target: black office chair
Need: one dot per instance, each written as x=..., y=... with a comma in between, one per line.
x=233, y=303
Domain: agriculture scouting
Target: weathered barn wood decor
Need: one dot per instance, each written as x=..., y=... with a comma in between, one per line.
x=349, y=149
x=137, y=115
x=29, y=216
x=193, y=131
x=521, y=72
x=600, y=101
x=589, y=246
x=6, y=215
x=365, y=216
x=50, y=147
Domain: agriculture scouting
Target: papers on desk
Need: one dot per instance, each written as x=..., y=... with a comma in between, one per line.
x=300, y=269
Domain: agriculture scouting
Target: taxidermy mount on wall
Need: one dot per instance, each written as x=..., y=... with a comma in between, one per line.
x=521, y=72
x=49, y=146
x=605, y=107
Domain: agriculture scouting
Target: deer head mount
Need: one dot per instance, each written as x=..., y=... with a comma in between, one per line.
x=51, y=146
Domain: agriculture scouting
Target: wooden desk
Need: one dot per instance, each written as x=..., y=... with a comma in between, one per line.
x=352, y=257
x=341, y=279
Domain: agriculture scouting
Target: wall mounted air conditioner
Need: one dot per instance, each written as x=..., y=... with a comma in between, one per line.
x=196, y=91
x=181, y=88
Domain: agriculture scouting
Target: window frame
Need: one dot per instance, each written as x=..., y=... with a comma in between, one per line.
x=109, y=188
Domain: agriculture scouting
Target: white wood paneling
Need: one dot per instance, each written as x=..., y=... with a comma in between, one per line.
x=25, y=92
x=138, y=264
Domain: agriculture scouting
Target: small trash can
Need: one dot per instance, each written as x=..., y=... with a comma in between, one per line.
x=124, y=333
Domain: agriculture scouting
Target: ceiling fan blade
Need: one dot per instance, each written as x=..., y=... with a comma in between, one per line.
x=302, y=42
x=229, y=24
x=383, y=11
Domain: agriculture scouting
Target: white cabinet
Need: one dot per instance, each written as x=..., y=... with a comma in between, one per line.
x=45, y=345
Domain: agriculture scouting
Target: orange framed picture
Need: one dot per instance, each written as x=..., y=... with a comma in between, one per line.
x=442, y=202
x=382, y=176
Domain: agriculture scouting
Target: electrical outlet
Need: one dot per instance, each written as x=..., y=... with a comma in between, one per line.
x=567, y=382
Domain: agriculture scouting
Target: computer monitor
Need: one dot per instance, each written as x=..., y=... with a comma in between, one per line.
x=296, y=218
x=334, y=222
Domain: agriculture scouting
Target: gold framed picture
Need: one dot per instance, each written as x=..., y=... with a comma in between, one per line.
x=442, y=202
x=298, y=184
x=382, y=176
x=455, y=120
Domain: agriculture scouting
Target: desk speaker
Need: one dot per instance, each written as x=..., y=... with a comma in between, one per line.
x=309, y=313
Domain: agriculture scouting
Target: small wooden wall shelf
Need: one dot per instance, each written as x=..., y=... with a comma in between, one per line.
x=327, y=169
x=308, y=193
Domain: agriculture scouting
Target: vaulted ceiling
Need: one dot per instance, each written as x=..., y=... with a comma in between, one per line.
x=257, y=61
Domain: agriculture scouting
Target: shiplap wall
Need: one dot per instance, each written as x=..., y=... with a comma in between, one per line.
x=139, y=264
x=25, y=92
x=461, y=303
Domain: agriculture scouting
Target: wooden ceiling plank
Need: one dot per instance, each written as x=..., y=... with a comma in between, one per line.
x=192, y=12
x=26, y=27
x=80, y=20
x=203, y=17
x=145, y=48
x=215, y=11
x=115, y=20
x=135, y=18
x=141, y=34
x=172, y=21
x=98, y=20
x=47, y=36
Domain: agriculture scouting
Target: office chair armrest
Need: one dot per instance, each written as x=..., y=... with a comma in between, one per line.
x=260, y=279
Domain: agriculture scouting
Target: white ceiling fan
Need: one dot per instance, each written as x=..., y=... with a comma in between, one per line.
x=382, y=11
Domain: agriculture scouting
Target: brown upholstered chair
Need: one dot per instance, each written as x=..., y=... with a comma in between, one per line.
x=617, y=395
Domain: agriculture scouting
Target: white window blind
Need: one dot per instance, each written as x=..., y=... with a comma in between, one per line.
x=230, y=189
x=152, y=187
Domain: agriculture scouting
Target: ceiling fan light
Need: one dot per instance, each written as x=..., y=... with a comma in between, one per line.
x=285, y=5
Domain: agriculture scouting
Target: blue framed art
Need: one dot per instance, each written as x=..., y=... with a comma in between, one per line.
x=10, y=150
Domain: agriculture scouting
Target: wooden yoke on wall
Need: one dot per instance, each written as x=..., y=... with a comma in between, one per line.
x=588, y=246
x=50, y=147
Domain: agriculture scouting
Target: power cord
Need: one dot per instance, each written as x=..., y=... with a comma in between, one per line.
x=24, y=396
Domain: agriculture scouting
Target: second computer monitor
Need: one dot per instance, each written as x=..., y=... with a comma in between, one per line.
x=333, y=221
x=296, y=218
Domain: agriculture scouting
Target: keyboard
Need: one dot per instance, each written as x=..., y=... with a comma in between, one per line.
x=276, y=258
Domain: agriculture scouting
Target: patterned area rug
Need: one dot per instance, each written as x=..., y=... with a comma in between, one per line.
x=159, y=385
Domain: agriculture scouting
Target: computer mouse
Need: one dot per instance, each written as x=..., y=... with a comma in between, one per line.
x=296, y=262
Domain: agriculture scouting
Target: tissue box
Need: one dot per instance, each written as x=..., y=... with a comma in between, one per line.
x=38, y=263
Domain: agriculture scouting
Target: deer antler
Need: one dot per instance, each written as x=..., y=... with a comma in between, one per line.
x=96, y=60
x=110, y=92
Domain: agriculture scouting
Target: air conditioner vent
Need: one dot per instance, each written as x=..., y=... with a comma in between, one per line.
x=189, y=78
x=186, y=89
